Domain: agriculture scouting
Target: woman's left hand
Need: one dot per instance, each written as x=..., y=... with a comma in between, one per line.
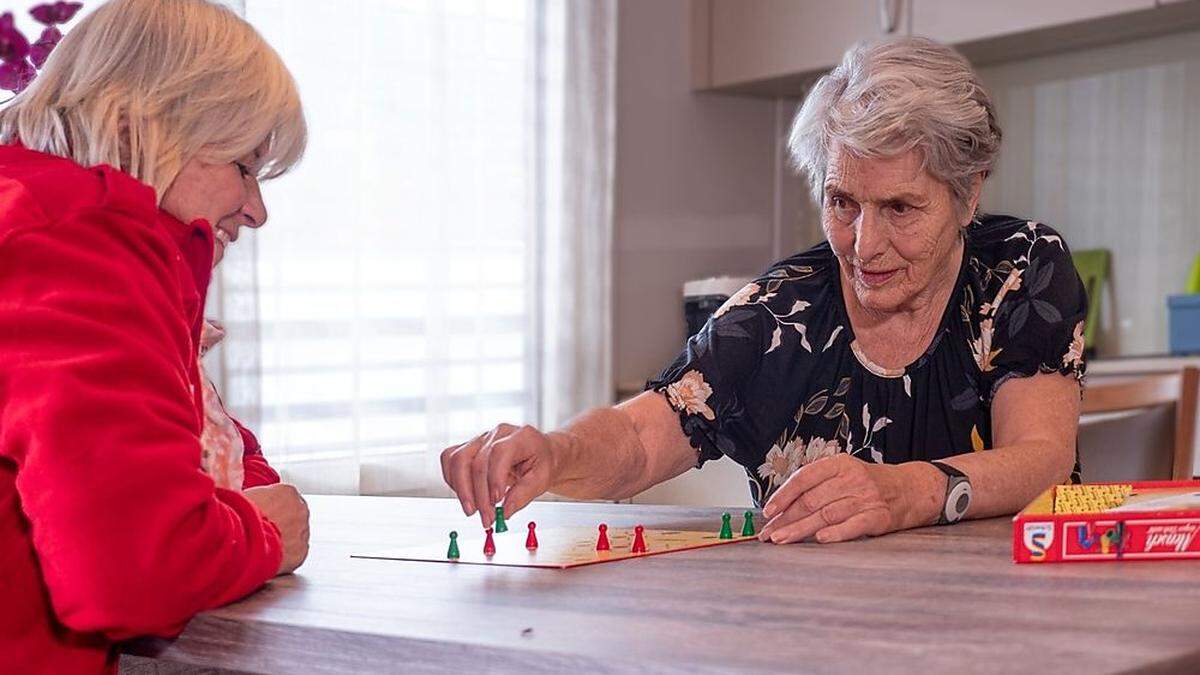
x=836, y=498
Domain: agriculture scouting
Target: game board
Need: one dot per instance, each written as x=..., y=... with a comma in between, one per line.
x=1110, y=521
x=558, y=547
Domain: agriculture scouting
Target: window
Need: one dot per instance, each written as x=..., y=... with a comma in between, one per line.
x=391, y=306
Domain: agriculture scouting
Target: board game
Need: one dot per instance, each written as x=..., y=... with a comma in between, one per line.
x=1110, y=521
x=563, y=547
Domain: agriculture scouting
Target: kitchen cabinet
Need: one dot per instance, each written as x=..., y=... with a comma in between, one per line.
x=779, y=47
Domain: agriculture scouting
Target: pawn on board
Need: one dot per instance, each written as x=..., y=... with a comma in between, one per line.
x=639, y=540
x=748, y=525
x=602, y=540
x=489, y=545
x=726, y=528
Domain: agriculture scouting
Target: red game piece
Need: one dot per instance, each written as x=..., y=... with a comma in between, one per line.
x=602, y=541
x=639, y=543
x=531, y=539
x=489, y=546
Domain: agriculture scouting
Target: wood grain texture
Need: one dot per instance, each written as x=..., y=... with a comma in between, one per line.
x=935, y=599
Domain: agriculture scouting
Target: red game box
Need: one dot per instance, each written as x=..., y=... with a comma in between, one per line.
x=1110, y=521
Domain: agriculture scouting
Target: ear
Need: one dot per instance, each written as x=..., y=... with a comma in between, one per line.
x=973, y=197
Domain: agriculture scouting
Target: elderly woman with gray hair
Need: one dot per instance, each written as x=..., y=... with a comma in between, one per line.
x=922, y=365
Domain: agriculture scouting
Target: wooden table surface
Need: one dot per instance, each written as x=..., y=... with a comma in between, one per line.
x=930, y=600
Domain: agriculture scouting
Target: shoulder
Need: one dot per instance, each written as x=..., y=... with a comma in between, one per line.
x=993, y=239
x=805, y=277
x=1017, y=257
x=788, y=307
x=1023, y=297
x=38, y=189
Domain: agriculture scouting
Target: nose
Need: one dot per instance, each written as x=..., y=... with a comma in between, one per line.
x=254, y=209
x=870, y=238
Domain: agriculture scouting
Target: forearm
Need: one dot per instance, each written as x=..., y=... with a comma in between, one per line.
x=1003, y=480
x=618, y=452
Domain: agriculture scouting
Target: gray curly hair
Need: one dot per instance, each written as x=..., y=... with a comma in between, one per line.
x=887, y=98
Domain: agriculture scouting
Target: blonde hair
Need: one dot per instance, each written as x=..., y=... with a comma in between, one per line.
x=147, y=85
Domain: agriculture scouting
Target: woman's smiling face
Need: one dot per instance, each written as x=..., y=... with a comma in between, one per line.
x=226, y=195
x=893, y=226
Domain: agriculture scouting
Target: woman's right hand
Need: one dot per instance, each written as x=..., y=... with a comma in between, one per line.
x=509, y=463
x=282, y=504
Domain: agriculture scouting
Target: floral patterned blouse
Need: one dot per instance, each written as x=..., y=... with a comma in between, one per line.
x=775, y=379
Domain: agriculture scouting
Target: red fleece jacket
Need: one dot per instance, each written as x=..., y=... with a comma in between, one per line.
x=108, y=527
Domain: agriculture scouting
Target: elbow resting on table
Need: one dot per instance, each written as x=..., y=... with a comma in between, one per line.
x=121, y=606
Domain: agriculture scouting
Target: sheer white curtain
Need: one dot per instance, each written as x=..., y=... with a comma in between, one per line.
x=440, y=261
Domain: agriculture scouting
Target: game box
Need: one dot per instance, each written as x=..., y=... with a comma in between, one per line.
x=1110, y=521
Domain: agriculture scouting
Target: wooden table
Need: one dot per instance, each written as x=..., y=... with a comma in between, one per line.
x=930, y=600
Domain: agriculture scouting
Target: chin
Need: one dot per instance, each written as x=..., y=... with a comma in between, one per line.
x=886, y=299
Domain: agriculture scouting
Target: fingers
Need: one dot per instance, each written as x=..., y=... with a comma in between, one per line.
x=839, y=511
x=479, y=482
x=807, y=504
x=468, y=470
x=508, y=464
x=504, y=454
x=529, y=485
x=456, y=469
x=873, y=522
x=806, y=478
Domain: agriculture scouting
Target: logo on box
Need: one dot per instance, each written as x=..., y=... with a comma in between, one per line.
x=1038, y=537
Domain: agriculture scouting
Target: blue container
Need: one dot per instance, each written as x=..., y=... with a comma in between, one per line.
x=1183, y=319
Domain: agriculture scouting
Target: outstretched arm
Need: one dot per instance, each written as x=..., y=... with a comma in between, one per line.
x=605, y=453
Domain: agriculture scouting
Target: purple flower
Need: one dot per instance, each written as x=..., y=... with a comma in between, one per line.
x=13, y=45
x=40, y=51
x=55, y=12
x=16, y=75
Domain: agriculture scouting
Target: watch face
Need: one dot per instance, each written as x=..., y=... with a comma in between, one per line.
x=958, y=499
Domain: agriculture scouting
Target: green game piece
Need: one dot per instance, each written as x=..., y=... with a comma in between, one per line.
x=748, y=526
x=452, y=554
x=500, y=526
x=726, y=530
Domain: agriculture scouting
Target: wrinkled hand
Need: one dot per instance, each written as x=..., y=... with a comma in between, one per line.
x=836, y=498
x=508, y=463
x=283, y=505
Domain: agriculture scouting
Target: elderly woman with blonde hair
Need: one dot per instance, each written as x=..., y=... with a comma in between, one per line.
x=920, y=366
x=127, y=168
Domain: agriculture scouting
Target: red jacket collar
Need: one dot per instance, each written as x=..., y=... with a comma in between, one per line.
x=195, y=241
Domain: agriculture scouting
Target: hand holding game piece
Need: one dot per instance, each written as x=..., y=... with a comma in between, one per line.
x=531, y=542
x=489, y=546
x=639, y=541
x=501, y=526
x=602, y=540
x=509, y=464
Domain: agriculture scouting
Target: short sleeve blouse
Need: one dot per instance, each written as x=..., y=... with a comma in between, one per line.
x=775, y=380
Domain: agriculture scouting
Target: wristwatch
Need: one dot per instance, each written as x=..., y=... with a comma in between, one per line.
x=958, y=494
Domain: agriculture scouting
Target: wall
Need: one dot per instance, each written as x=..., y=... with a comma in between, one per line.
x=697, y=194
x=1101, y=144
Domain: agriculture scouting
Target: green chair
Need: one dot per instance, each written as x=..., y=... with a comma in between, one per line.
x=1092, y=266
